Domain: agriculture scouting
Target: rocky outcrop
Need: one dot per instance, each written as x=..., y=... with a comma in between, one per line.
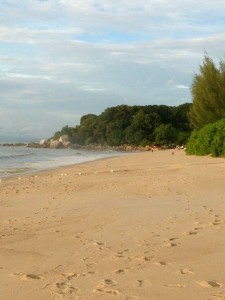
x=67, y=144
x=55, y=144
x=43, y=143
x=34, y=145
x=62, y=142
x=64, y=139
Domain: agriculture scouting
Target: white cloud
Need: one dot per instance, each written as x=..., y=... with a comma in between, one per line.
x=92, y=88
x=24, y=35
x=28, y=76
x=181, y=86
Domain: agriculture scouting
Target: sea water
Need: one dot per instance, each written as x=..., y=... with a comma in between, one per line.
x=18, y=160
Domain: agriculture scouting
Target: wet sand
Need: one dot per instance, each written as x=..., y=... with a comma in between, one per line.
x=143, y=226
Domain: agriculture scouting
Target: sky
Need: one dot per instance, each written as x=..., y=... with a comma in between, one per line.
x=61, y=59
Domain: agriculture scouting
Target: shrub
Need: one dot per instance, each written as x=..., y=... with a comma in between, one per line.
x=209, y=140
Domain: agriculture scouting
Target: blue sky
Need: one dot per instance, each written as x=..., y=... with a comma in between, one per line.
x=61, y=59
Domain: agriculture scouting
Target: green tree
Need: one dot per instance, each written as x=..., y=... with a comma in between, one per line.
x=84, y=134
x=165, y=134
x=134, y=125
x=208, y=93
x=115, y=137
x=180, y=116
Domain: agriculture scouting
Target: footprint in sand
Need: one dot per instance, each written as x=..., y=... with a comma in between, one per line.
x=140, y=282
x=27, y=276
x=174, y=238
x=172, y=244
x=219, y=296
x=31, y=276
x=105, y=287
x=148, y=258
x=122, y=271
x=64, y=288
x=108, y=282
x=107, y=291
x=161, y=263
x=16, y=274
x=120, y=254
x=70, y=276
x=210, y=283
x=195, y=231
x=198, y=228
x=211, y=212
x=216, y=222
x=144, y=283
x=91, y=264
x=186, y=271
x=192, y=232
x=175, y=285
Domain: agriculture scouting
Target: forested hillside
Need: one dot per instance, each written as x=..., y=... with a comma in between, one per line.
x=133, y=125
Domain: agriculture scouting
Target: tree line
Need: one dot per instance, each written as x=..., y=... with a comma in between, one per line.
x=133, y=125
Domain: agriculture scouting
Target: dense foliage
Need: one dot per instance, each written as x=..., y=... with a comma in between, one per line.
x=209, y=140
x=208, y=93
x=133, y=125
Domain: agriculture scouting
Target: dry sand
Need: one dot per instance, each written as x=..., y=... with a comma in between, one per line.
x=154, y=228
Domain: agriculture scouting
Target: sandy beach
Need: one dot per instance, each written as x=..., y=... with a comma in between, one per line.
x=142, y=226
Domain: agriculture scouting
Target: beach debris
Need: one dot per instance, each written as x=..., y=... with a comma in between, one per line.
x=79, y=173
x=96, y=172
x=19, y=178
x=111, y=171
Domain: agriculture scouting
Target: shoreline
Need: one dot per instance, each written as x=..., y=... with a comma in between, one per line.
x=50, y=170
x=26, y=168
x=140, y=226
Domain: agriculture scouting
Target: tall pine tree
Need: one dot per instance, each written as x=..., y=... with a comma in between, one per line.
x=208, y=93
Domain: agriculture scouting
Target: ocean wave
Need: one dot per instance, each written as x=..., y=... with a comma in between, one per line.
x=16, y=160
x=10, y=156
